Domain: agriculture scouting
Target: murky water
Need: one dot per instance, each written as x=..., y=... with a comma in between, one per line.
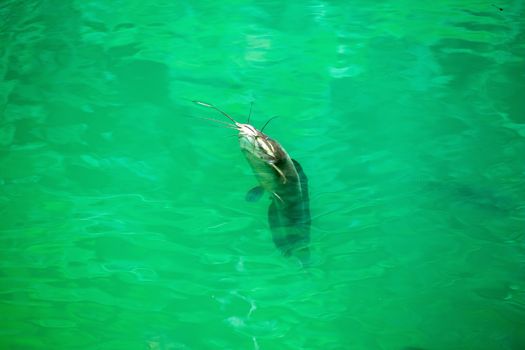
x=123, y=218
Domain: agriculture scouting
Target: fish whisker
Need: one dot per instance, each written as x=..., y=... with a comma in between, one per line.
x=226, y=125
x=269, y=120
x=215, y=108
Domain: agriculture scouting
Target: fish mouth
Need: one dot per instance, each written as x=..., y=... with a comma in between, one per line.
x=246, y=130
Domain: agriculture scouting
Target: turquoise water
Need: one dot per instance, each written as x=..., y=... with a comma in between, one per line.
x=123, y=218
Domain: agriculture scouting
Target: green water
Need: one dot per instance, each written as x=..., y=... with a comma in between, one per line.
x=123, y=218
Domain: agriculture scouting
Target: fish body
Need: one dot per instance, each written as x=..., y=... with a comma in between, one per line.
x=284, y=180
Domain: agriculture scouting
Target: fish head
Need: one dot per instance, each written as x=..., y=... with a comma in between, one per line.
x=258, y=144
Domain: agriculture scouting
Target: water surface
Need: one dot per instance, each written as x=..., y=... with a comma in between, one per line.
x=123, y=221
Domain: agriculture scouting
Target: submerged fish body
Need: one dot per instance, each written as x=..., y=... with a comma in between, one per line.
x=285, y=180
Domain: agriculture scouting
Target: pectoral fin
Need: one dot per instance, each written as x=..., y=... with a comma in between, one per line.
x=254, y=194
